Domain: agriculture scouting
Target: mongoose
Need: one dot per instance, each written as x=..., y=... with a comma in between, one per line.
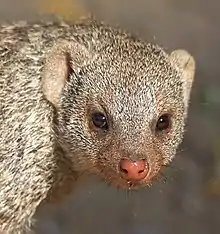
x=83, y=98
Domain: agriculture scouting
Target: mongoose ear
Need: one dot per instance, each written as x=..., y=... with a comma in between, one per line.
x=186, y=65
x=64, y=58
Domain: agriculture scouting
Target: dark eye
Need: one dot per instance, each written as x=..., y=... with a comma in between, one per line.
x=99, y=120
x=163, y=123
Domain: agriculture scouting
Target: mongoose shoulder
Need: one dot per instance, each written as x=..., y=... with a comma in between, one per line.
x=81, y=98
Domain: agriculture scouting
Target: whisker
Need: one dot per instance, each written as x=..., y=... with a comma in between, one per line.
x=162, y=177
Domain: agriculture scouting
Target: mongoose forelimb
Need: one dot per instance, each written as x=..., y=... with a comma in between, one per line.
x=81, y=98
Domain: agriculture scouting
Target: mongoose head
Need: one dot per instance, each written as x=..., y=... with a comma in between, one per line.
x=120, y=104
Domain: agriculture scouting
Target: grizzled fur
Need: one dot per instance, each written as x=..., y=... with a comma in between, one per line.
x=52, y=77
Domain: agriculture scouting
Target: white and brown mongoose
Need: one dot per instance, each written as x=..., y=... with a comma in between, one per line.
x=83, y=98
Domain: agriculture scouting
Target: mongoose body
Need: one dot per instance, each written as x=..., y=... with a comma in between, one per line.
x=83, y=98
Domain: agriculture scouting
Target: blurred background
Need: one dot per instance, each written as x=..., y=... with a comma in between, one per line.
x=187, y=199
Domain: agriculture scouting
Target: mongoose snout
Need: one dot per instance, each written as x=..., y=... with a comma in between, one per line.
x=136, y=170
x=133, y=170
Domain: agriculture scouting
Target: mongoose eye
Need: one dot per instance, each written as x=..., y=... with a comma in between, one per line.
x=163, y=123
x=99, y=120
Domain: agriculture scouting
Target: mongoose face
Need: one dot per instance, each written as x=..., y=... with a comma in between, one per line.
x=121, y=107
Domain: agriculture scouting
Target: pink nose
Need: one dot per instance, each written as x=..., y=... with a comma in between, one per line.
x=133, y=170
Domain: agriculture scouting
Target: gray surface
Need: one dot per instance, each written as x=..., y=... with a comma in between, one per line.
x=185, y=203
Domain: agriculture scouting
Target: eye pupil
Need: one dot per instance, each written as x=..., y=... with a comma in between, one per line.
x=163, y=122
x=99, y=120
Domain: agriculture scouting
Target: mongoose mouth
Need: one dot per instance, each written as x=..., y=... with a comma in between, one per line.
x=121, y=180
x=131, y=185
x=136, y=184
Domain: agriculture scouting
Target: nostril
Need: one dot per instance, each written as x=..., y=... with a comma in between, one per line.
x=124, y=170
x=141, y=171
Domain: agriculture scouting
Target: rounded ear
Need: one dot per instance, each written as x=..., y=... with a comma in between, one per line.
x=63, y=58
x=186, y=65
